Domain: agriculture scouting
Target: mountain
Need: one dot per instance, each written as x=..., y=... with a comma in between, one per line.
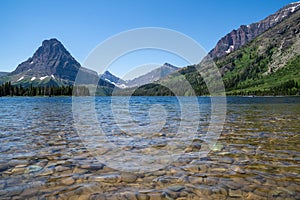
x=153, y=75
x=267, y=65
x=3, y=73
x=270, y=64
x=107, y=76
x=50, y=59
x=149, y=77
x=237, y=38
x=52, y=65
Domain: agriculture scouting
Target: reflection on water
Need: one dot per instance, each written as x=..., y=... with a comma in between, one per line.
x=256, y=157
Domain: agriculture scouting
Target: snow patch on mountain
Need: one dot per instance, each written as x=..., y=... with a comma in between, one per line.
x=43, y=77
x=230, y=49
x=21, y=78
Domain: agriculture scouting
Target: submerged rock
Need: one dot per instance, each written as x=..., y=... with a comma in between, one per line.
x=176, y=188
x=108, y=178
x=217, y=147
x=68, y=181
x=33, y=168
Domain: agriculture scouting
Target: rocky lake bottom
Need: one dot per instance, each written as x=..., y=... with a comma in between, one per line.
x=257, y=155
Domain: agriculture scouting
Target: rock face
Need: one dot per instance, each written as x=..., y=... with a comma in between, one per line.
x=237, y=38
x=153, y=75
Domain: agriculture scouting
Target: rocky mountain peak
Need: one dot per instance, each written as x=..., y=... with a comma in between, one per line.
x=107, y=76
x=50, y=60
x=49, y=49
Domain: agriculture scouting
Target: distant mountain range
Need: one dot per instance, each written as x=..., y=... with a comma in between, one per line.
x=260, y=58
x=53, y=65
x=150, y=77
x=153, y=75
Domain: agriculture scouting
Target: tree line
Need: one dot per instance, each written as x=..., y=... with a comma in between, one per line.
x=7, y=89
x=290, y=87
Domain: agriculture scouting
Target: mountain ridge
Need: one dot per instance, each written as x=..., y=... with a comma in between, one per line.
x=108, y=76
x=149, y=77
x=152, y=76
x=246, y=33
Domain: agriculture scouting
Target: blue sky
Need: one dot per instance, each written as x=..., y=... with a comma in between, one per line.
x=82, y=25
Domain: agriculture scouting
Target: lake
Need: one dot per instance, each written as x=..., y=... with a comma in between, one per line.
x=149, y=148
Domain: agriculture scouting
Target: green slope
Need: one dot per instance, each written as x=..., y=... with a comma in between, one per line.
x=267, y=65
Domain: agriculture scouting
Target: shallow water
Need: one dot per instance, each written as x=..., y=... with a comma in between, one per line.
x=46, y=154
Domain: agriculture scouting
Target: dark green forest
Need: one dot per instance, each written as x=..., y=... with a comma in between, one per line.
x=7, y=89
